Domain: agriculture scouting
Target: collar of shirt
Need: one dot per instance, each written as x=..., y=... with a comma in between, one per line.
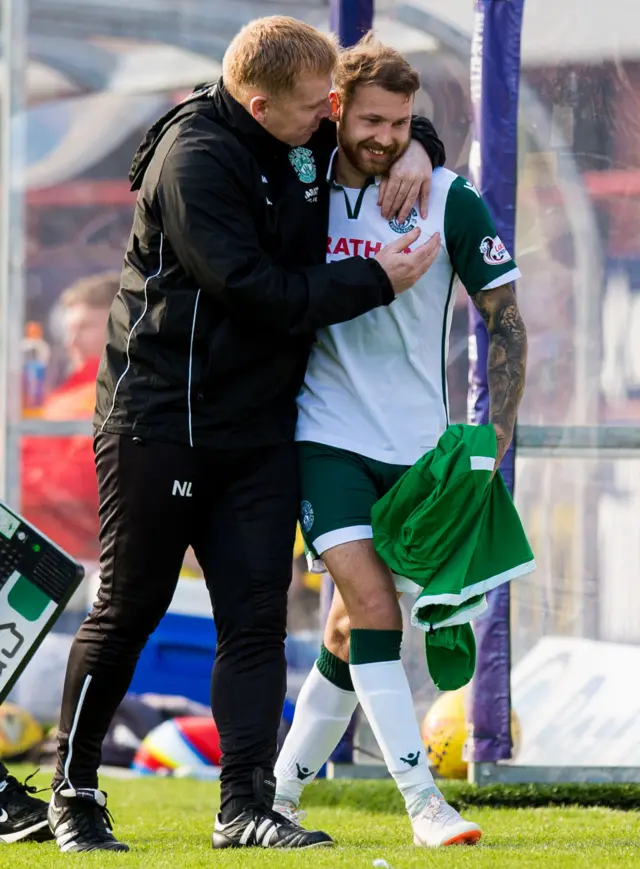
x=331, y=175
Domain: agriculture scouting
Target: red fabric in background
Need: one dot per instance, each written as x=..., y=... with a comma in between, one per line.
x=59, y=487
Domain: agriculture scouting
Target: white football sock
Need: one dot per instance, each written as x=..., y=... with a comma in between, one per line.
x=323, y=712
x=384, y=694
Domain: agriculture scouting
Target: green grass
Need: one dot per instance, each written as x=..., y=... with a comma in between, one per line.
x=168, y=826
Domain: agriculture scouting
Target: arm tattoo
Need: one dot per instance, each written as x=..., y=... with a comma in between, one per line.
x=507, y=360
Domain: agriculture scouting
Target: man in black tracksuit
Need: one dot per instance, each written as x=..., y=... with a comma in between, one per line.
x=224, y=283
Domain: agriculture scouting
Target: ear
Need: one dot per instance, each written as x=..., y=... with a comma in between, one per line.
x=334, y=99
x=258, y=108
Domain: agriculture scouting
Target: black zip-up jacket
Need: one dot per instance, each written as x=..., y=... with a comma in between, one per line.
x=224, y=279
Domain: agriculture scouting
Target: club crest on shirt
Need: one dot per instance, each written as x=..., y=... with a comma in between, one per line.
x=306, y=515
x=493, y=251
x=304, y=163
x=407, y=225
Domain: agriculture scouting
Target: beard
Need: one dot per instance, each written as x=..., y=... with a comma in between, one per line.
x=360, y=158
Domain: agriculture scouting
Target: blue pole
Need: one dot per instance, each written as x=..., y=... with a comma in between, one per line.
x=351, y=19
x=495, y=80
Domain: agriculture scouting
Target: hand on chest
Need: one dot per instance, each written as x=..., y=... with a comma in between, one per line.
x=357, y=228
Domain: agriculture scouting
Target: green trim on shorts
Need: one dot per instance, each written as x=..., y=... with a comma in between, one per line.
x=338, y=490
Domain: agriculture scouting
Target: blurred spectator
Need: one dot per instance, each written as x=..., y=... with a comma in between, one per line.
x=59, y=490
x=85, y=308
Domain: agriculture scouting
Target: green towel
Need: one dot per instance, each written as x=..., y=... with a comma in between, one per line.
x=451, y=529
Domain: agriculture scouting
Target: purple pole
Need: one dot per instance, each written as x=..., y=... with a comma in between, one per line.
x=349, y=20
x=495, y=78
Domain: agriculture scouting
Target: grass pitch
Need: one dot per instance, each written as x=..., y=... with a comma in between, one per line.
x=168, y=824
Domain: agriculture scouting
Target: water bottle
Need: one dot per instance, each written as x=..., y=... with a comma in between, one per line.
x=35, y=358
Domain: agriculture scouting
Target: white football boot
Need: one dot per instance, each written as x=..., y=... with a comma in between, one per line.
x=439, y=824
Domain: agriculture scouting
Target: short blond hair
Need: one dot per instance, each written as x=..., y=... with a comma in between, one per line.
x=94, y=291
x=369, y=62
x=271, y=53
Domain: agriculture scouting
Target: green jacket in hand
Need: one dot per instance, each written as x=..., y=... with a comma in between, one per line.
x=456, y=532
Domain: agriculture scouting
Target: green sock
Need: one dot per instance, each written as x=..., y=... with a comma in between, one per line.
x=372, y=647
x=385, y=696
x=333, y=669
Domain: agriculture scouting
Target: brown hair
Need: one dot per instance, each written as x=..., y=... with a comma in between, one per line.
x=370, y=62
x=270, y=54
x=95, y=291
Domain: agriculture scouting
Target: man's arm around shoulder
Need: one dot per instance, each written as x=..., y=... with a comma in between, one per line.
x=208, y=213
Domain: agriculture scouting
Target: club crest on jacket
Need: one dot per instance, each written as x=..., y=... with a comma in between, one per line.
x=303, y=162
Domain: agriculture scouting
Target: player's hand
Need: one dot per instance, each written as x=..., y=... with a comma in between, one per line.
x=409, y=181
x=404, y=269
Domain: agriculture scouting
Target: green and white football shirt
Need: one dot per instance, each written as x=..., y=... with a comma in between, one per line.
x=376, y=385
